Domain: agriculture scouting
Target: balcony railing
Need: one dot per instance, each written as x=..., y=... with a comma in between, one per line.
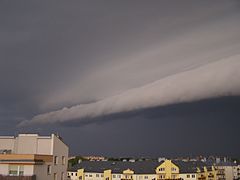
x=2, y=177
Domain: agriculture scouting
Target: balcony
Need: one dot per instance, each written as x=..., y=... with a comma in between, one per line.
x=25, y=158
x=202, y=178
x=2, y=177
x=221, y=173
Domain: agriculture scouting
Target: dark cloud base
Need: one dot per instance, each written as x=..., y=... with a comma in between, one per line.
x=207, y=127
x=228, y=107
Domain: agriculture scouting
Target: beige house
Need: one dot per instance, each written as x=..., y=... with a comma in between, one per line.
x=33, y=157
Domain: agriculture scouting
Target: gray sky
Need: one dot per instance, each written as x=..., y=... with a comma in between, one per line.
x=122, y=70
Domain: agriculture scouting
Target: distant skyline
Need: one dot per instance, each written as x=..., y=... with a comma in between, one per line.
x=123, y=78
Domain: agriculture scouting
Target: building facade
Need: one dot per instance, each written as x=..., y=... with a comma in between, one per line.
x=144, y=170
x=230, y=169
x=33, y=157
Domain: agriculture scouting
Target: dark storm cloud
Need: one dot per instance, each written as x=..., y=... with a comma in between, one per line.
x=203, y=127
x=212, y=80
x=63, y=54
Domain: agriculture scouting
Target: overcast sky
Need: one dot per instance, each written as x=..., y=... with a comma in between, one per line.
x=143, y=78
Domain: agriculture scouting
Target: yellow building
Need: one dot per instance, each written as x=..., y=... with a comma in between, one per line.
x=106, y=170
x=144, y=170
x=167, y=170
x=208, y=173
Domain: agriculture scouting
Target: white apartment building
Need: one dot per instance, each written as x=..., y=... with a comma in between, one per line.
x=33, y=157
x=230, y=170
x=189, y=176
x=236, y=172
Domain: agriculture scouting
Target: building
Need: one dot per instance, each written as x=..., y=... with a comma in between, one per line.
x=208, y=173
x=230, y=170
x=94, y=158
x=142, y=170
x=113, y=170
x=237, y=172
x=33, y=157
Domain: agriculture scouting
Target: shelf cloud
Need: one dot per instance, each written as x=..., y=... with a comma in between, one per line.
x=219, y=78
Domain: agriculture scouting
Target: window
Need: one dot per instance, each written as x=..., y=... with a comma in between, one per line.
x=193, y=176
x=86, y=175
x=13, y=170
x=16, y=170
x=55, y=176
x=55, y=160
x=161, y=169
x=80, y=177
x=90, y=175
x=145, y=177
x=101, y=175
x=97, y=175
x=188, y=175
x=63, y=160
x=114, y=176
x=119, y=176
x=174, y=169
x=49, y=169
x=162, y=176
x=173, y=176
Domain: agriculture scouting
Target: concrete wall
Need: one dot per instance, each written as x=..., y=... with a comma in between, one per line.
x=44, y=145
x=41, y=172
x=7, y=142
x=28, y=170
x=26, y=144
x=4, y=169
x=60, y=150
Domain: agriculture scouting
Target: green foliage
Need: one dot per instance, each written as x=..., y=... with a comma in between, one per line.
x=74, y=161
x=113, y=159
